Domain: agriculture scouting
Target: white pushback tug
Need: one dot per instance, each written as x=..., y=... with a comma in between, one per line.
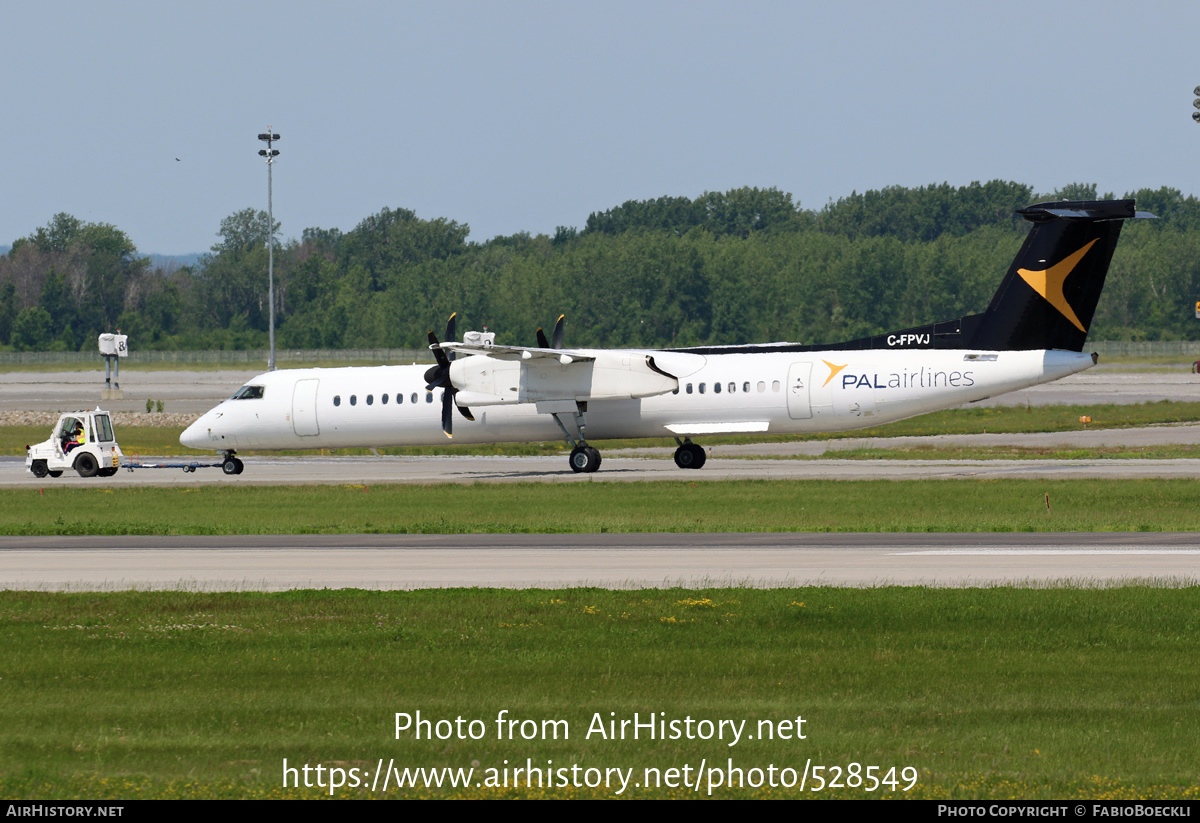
x=83, y=441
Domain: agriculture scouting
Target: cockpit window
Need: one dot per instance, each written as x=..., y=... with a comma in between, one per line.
x=249, y=393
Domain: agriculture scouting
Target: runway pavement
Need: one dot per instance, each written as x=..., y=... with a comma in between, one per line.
x=270, y=563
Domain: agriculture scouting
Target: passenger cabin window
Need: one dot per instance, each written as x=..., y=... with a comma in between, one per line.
x=370, y=400
x=249, y=393
x=414, y=397
x=716, y=388
x=774, y=385
x=732, y=388
x=702, y=388
x=337, y=400
x=762, y=386
x=354, y=400
x=428, y=397
x=399, y=399
x=383, y=399
x=746, y=387
x=689, y=388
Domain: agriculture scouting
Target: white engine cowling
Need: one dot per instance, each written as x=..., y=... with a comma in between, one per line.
x=616, y=375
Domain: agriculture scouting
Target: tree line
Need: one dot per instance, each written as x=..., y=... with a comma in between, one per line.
x=739, y=266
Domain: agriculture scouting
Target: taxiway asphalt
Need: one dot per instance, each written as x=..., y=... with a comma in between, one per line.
x=621, y=561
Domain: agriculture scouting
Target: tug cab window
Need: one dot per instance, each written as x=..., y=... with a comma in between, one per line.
x=249, y=393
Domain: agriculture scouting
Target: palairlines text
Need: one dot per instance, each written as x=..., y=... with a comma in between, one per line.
x=922, y=378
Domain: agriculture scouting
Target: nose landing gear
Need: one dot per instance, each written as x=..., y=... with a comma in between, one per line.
x=231, y=465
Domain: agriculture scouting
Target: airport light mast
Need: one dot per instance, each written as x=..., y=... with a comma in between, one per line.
x=270, y=154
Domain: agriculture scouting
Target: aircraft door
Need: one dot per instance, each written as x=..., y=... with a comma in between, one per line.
x=304, y=408
x=799, y=399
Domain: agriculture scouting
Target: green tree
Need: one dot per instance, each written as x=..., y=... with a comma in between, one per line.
x=8, y=311
x=32, y=330
x=233, y=278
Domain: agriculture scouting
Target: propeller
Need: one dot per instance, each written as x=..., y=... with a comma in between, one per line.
x=557, y=341
x=439, y=375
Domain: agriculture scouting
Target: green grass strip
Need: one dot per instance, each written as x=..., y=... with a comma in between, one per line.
x=984, y=693
x=960, y=505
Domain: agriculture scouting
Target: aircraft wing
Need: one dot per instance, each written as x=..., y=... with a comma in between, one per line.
x=563, y=356
x=499, y=375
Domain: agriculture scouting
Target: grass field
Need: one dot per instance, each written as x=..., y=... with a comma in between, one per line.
x=981, y=692
x=678, y=506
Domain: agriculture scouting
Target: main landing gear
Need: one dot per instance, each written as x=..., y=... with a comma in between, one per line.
x=689, y=455
x=584, y=458
x=231, y=465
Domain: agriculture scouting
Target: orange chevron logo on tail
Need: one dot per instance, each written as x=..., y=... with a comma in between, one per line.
x=1049, y=283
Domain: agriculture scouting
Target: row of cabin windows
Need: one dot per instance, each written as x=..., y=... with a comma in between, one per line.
x=383, y=399
x=731, y=387
x=717, y=388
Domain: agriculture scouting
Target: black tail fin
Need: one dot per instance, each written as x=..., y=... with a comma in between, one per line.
x=1049, y=295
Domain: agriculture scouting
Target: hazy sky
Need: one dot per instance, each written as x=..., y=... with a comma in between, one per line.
x=522, y=116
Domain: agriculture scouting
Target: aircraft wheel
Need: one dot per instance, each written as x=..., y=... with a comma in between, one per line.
x=239, y=464
x=690, y=456
x=86, y=465
x=39, y=468
x=56, y=473
x=585, y=459
x=231, y=465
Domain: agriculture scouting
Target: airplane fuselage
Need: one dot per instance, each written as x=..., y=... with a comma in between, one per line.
x=1033, y=331
x=771, y=393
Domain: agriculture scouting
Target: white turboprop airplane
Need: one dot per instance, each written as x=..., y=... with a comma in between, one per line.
x=1032, y=332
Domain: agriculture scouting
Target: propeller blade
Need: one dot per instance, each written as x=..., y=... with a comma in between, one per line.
x=447, y=413
x=438, y=354
x=543, y=343
x=465, y=412
x=450, y=337
x=557, y=340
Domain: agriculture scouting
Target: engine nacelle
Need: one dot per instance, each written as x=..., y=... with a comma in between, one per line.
x=484, y=380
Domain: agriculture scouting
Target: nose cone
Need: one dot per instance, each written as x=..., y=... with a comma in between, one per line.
x=195, y=436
